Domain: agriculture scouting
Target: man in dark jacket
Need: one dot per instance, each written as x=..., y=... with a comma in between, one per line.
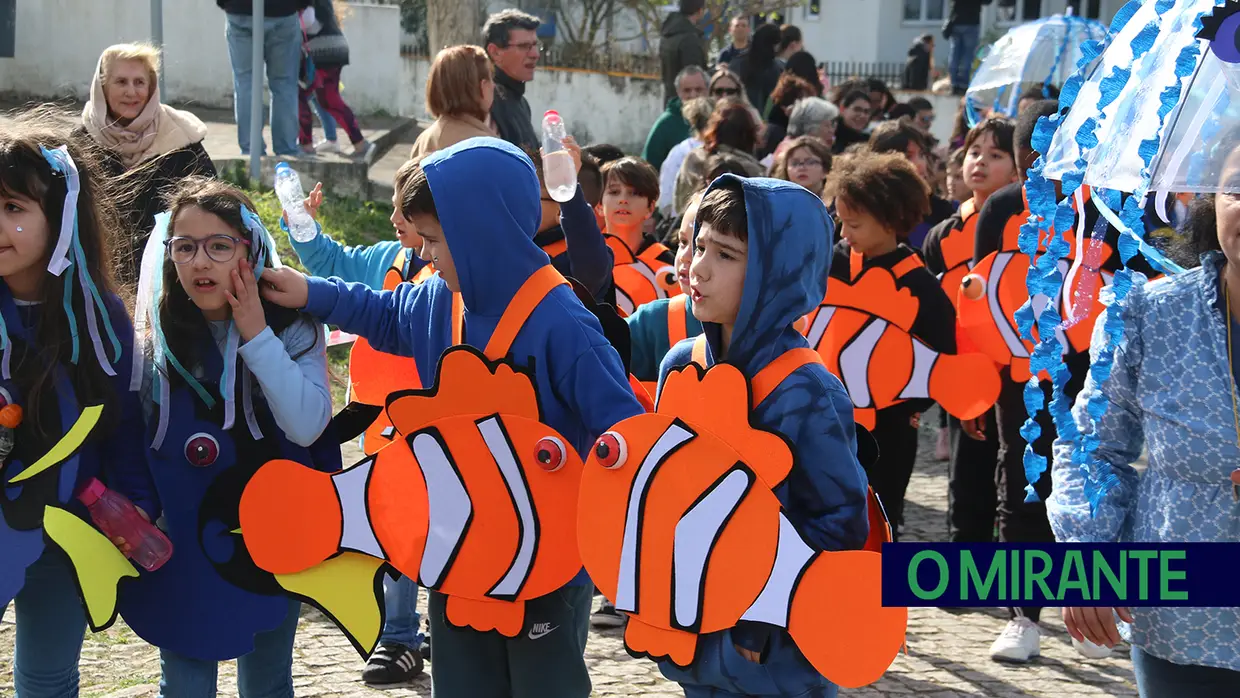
x=963, y=29
x=683, y=43
x=512, y=44
x=282, y=54
x=920, y=61
x=671, y=128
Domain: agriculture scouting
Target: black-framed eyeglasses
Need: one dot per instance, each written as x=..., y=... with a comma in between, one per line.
x=220, y=248
x=725, y=91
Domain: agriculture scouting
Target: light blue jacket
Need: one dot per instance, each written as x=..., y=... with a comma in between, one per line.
x=1169, y=390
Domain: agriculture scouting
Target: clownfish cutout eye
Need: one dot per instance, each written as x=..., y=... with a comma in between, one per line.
x=202, y=450
x=666, y=279
x=1222, y=29
x=973, y=287
x=549, y=454
x=611, y=450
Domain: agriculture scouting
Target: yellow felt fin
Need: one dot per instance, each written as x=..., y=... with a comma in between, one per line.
x=348, y=588
x=97, y=564
x=70, y=442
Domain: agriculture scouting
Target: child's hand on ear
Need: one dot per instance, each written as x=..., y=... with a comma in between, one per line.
x=286, y=288
x=247, y=305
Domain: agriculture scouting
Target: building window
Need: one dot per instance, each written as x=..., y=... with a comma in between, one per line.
x=1090, y=9
x=924, y=10
x=1018, y=11
x=813, y=10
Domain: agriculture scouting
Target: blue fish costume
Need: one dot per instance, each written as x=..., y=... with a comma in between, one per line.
x=209, y=601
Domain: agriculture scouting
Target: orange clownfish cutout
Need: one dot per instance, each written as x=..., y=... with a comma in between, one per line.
x=992, y=292
x=640, y=279
x=476, y=500
x=679, y=526
x=863, y=333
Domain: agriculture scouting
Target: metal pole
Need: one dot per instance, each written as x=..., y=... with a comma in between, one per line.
x=256, y=93
x=157, y=33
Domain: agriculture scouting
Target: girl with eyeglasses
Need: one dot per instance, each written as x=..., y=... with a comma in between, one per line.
x=234, y=382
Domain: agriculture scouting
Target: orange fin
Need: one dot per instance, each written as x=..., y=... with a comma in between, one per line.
x=648, y=641
x=875, y=293
x=466, y=383
x=505, y=617
x=838, y=620
x=717, y=401
x=966, y=385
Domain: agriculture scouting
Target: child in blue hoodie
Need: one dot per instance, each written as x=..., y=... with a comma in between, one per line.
x=762, y=248
x=476, y=206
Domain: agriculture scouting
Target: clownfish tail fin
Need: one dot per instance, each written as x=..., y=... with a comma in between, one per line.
x=97, y=564
x=348, y=588
x=966, y=385
x=838, y=620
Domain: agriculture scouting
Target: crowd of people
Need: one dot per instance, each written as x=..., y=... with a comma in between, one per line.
x=760, y=195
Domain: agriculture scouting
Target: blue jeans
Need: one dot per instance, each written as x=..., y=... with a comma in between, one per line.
x=267, y=672
x=282, y=56
x=963, y=50
x=50, y=626
x=401, y=622
x=329, y=124
x=1159, y=678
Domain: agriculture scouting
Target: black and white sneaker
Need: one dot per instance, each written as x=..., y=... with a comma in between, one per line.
x=392, y=663
x=607, y=616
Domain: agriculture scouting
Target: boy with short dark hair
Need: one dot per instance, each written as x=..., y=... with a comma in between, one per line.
x=749, y=283
x=878, y=198
x=630, y=194
x=478, y=226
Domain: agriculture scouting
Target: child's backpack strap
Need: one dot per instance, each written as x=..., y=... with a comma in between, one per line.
x=699, y=351
x=519, y=309
x=677, y=320
x=906, y=265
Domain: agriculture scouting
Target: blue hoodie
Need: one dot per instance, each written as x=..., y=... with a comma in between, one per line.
x=824, y=496
x=367, y=264
x=486, y=196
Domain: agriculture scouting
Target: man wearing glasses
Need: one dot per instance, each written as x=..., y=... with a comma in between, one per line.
x=923, y=114
x=511, y=42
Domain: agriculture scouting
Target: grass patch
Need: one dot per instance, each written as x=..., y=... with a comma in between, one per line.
x=345, y=219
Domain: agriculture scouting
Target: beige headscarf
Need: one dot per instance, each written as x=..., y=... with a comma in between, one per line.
x=159, y=129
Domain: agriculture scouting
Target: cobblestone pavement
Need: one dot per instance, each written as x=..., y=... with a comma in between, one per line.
x=947, y=650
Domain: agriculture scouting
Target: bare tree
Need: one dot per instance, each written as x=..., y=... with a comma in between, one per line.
x=453, y=22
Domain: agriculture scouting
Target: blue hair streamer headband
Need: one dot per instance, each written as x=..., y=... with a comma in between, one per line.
x=147, y=321
x=68, y=253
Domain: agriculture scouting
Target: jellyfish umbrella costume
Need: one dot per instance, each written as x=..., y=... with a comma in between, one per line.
x=209, y=600
x=1041, y=54
x=37, y=485
x=1147, y=119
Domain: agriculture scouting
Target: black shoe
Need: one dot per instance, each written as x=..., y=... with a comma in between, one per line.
x=392, y=663
x=607, y=616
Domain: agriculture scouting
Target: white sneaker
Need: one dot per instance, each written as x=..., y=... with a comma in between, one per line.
x=1020, y=641
x=326, y=146
x=1089, y=650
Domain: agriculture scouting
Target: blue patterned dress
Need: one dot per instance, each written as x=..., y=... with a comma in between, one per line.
x=1169, y=390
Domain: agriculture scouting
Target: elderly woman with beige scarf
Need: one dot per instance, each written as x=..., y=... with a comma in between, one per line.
x=149, y=146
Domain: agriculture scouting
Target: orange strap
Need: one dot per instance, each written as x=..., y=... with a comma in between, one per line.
x=458, y=319
x=768, y=379
x=906, y=265
x=518, y=311
x=967, y=209
x=677, y=320
x=555, y=249
x=856, y=263
x=699, y=351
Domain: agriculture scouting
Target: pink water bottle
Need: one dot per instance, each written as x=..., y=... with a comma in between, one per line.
x=117, y=517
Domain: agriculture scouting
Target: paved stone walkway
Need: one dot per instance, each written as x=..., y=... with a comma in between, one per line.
x=947, y=651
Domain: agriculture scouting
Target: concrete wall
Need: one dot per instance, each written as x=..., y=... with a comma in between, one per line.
x=59, y=42
x=596, y=107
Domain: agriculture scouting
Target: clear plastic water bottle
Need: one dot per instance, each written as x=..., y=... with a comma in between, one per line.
x=559, y=173
x=117, y=517
x=293, y=198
